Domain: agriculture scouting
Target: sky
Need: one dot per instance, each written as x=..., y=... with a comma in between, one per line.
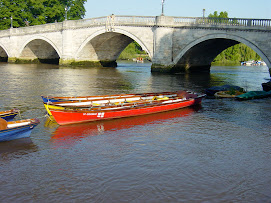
x=260, y=9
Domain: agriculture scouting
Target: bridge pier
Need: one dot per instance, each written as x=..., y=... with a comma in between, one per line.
x=163, y=45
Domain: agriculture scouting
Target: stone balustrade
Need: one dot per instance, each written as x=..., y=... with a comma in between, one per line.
x=139, y=20
x=223, y=21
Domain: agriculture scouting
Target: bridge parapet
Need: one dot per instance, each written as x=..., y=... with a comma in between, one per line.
x=223, y=21
x=50, y=27
x=140, y=21
x=135, y=20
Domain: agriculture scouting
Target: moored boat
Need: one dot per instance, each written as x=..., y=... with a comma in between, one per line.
x=254, y=95
x=212, y=90
x=80, y=115
x=16, y=129
x=266, y=86
x=49, y=99
x=253, y=63
x=9, y=114
x=228, y=94
x=104, y=100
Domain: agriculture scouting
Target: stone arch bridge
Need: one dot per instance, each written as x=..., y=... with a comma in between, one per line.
x=174, y=44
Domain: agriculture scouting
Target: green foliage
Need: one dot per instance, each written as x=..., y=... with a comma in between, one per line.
x=234, y=54
x=131, y=51
x=221, y=15
x=35, y=12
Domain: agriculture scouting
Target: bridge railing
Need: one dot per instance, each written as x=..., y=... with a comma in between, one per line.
x=112, y=20
x=115, y=20
x=91, y=21
x=146, y=20
x=151, y=20
x=223, y=21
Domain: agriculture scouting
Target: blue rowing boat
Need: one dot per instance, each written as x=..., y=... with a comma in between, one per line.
x=16, y=129
x=9, y=114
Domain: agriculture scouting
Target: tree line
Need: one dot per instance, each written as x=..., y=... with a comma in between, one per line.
x=35, y=12
x=234, y=54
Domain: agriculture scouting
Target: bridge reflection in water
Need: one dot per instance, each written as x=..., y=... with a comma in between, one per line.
x=66, y=136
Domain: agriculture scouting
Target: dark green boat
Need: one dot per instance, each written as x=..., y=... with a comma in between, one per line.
x=254, y=95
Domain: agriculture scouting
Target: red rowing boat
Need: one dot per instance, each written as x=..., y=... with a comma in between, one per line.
x=81, y=115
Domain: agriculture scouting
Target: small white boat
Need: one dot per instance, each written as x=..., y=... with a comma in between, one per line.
x=247, y=63
x=253, y=63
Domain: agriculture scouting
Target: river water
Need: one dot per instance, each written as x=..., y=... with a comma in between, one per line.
x=217, y=152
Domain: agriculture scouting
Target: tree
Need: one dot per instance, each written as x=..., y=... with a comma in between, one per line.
x=221, y=15
x=33, y=12
x=221, y=18
x=132, y=51
x=76, y=9
x=234, y=54
x=14, y=9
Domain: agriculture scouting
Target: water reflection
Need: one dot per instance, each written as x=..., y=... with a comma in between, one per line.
x=65, y=136
x=17, y=147
x=222, y=152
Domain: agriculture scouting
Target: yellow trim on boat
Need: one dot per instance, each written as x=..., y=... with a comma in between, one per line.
x=47, y=106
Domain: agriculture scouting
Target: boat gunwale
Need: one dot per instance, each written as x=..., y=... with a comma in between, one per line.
x=32, y=122
x=129, y=106
x=105, y=96
x=9, y=112
x=120, y=96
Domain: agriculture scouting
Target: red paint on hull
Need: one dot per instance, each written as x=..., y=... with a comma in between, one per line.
x=65, y=117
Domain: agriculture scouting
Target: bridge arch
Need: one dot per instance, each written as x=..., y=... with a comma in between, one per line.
x=207, y=48
x=3, y=53
x=39, y=48
x=103, y=45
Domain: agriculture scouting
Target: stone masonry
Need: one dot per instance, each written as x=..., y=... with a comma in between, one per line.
x=174, y=44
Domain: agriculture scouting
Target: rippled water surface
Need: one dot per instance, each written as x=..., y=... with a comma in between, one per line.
x=217, y=152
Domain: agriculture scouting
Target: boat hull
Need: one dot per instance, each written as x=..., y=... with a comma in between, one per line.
x=266, y=86
x=212, y=90
x=226, y=94
x=48, y=107
x=100, y=101
x=65, y=117
x=254, y=95
x=21, y=131
x=9, y=115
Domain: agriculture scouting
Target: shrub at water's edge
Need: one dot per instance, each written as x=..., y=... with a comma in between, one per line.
x=236, y=54
x=133, y=50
